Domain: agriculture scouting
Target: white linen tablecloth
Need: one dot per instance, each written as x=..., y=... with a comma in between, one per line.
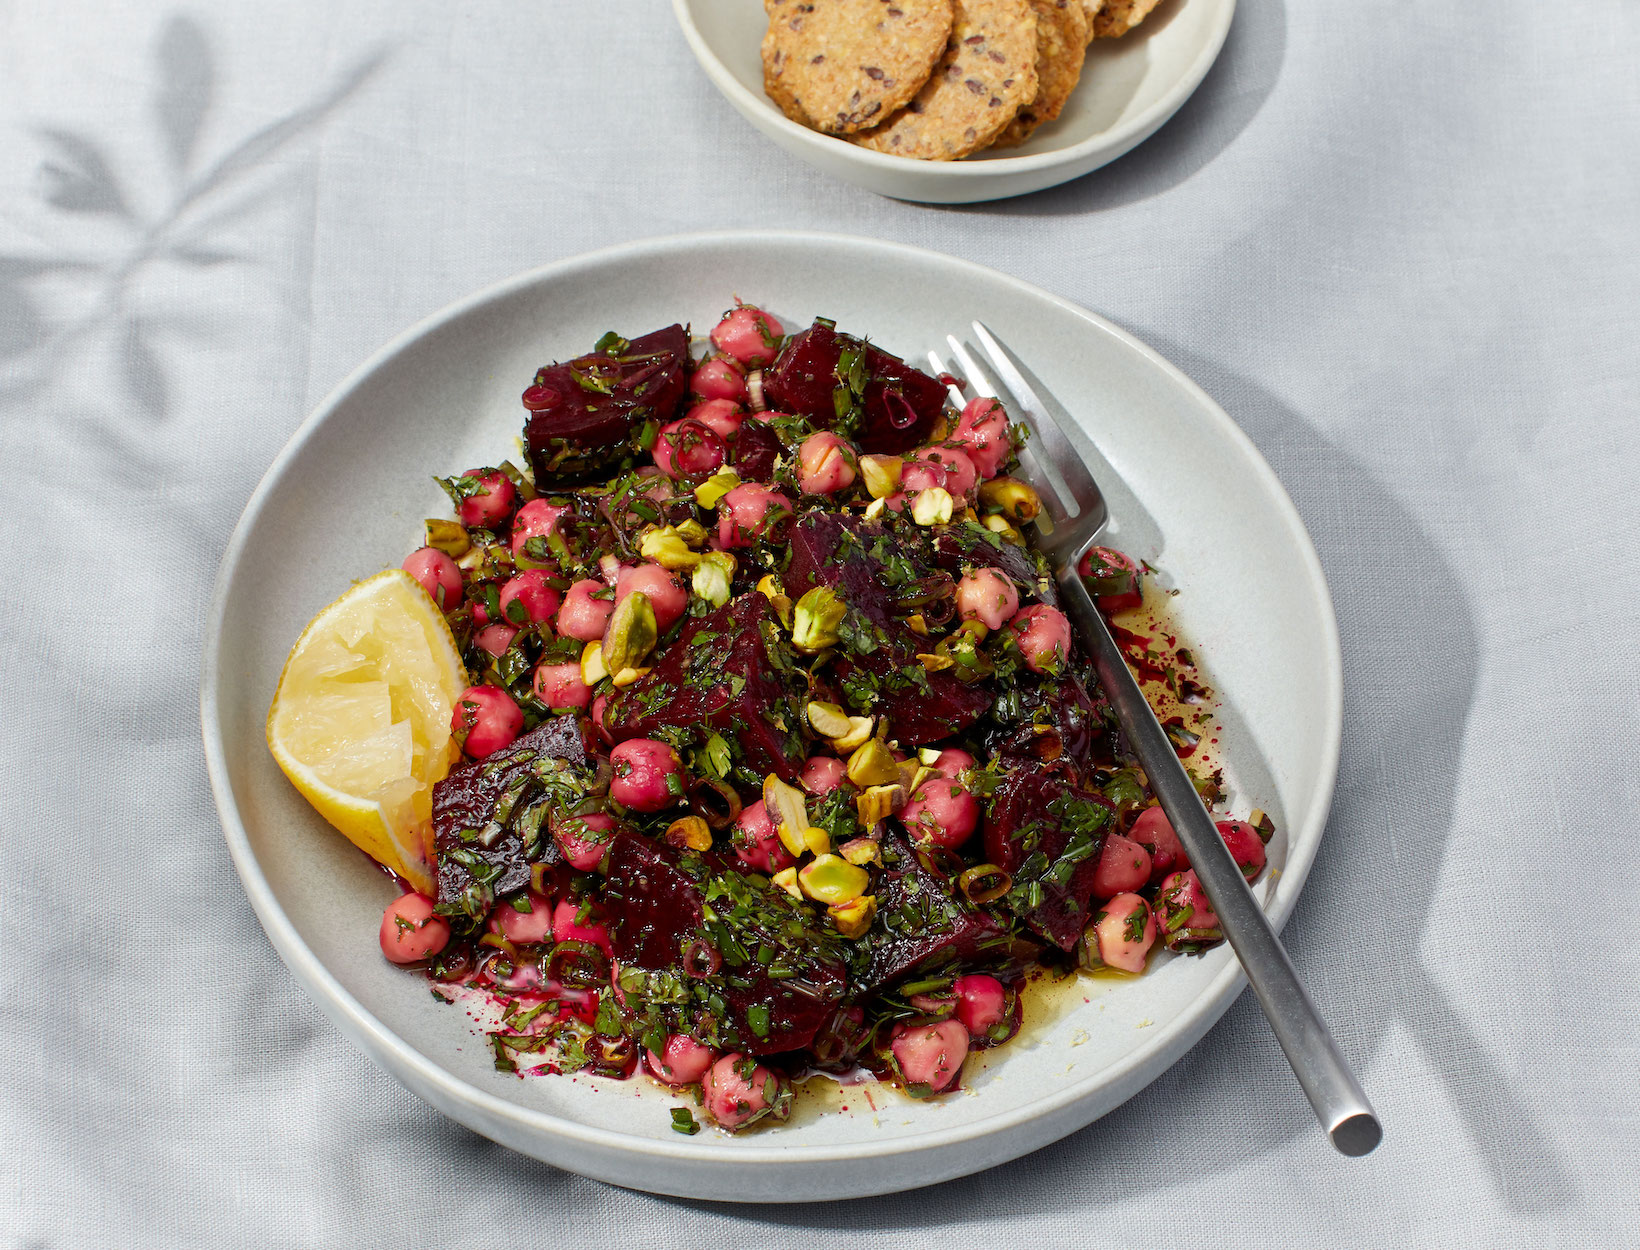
x=1400, y=244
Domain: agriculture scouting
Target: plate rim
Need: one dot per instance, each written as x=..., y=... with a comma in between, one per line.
x=389, y=1049
x=1116, y=142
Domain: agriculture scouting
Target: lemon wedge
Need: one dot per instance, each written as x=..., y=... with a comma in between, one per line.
x=360, y=722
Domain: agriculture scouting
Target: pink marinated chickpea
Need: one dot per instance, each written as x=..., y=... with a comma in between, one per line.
x=534, y=925
x=536, y=519
x=822, y=774
x=686, y=448
x=683, y=1061
x=719, y=377
x=584, y=839
x=941, y=812
x=648, y=775
x=825, y=464
x=560, y=685
x=1246, y=848
x=411, y=932
x=1124, y=866
x=491, y=504
x=495, y=639
x=930, y=1054
x=1126, y=930
x=920, y=475
x=584, y=616
x=1184, y=889
x=666, y=596
x=982, y=435
x=598, y=706
x=1044, y=637
x=438, y=574
x=756, y=843
x=987, y=596
x=1153, y=831
x=1126, y=599
x=982, y=1003
x=733, y=1099
x=566, y=929
x=960, y=475
x=721, y=416
x=489, y=717
x=533, y=593
x=749, y=512
x=952, y=762
x=749, y=335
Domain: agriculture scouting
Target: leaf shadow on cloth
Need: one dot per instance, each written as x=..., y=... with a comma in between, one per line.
x=1406, y=706
x=78, y=181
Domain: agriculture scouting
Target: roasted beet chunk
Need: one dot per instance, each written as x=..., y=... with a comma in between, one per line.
x=1062, y=721
x=709, y=951
x=1047, y=835
x=725, y=672
x=490, y=815
x=876, y=667
x=757, y=447
x=839, y=381
x=588, y=414
x=922, y=921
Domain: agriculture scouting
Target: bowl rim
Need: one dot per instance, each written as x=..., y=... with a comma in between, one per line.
x=1116, y=141
x=399, y=1057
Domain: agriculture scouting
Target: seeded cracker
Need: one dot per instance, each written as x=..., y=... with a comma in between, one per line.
x=987, y=74
x=843, y=65
x=1090, y=10
x=1121, y=16
x=1061, y=44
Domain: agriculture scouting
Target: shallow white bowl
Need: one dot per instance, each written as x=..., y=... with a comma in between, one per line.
x=1129, y=87
x=347, y=496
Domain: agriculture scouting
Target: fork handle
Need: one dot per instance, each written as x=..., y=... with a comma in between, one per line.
x=1339, y=1101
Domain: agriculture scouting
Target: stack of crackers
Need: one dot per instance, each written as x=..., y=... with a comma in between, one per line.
x=935, y=80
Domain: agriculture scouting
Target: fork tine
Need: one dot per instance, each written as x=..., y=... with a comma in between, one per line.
x=953, y=391
x=1065, y=462
x=1061, y=510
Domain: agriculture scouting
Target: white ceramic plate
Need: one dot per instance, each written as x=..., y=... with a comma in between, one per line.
x=1129, y=87
x=347, y=496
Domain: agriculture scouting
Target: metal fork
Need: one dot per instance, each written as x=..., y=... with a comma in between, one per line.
x=1076, y=509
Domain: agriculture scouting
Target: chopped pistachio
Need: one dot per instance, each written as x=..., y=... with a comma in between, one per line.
x=929, y=755
x=999, y=524
x=876, y=803
x=873, y=764
x=691, y=832
x=828, y=720
x=881, y=475
x=832, y=879
x=450, y=537
x=1011, y=497
x=711, y=492
x=862, y=851
x=629, y=675
x=875, y=509
x=934, y=663
x=853, y=918
x=815, y=620
x=786, y=879
x=631, y=632
x=593, y=668
x=712, y=577
x=668, y=548
x=788, y=811
x=817, y=840
x=932, y=506
x=917, y=625
x=859, y=729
